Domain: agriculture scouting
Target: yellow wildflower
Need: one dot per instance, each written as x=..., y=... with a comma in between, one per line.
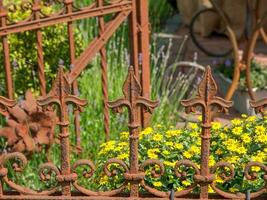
x=157, y=184
x=236, y=122
x=193, y=125
x=186, y=183
x=168, y=163
x=124, y=135
x=123, y=156
x=103, y=180
x=171, y=133
x=216, y=125
x=166, y=152
x=260, y=130
x=237, y=130
x=246, y=138
x=179, y=146
x=251, y=118
x=233, y=189
x=187, y=154
x=157, y=137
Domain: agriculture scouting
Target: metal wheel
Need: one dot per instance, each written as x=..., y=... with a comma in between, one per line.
x=197, y=43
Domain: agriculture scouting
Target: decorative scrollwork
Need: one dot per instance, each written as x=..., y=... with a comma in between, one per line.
x=155, y=174
x=183, y=175
x=229, y=175
x=46, y=170
x=84, y=162
x=107, y=171
x=19, y=162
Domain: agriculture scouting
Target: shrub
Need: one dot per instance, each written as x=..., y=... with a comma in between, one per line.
x=243, y=141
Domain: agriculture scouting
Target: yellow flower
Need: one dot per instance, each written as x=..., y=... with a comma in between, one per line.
x=186, y=183
x=187, y=154
x=194, y=149
x=147, y=131
x=260, y=130
x=169, y=143
x=236, y=122
x=122, y=144
x=216, y=125
x=200, y=118
x=157, y=137
x=246, y=138
x=124, y=135
x=237, y=130
x=171, y=133
x=103, y=180
x=166, y=152
x=168, y=163
x=241, y=150
x=159, y=125
x=123, y=156
x=244, y=116
x=211, y=161
x=261, y=138
x=210, y=190
x=193, y=125
x=251, y=118
x=151, y=153
x=223, y=136
x=179, y=146
x=157, y=184
x=233, y=189
x=194, y=134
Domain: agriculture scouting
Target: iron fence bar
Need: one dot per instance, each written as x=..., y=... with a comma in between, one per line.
x=86, y=12
x=75, y=88
x=206, y=99
x=80, y=63
x=40, y=58
x=104, y=76
x=144, y=57
x=8, y=71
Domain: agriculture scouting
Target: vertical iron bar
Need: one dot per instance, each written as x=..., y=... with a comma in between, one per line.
x=133, y=44
x=205, y=150
x=64, y=137
x=144, y=54
x=133, y=38
x=104, y=76
x=40, y=58
x=69, y=4
x=9, y=84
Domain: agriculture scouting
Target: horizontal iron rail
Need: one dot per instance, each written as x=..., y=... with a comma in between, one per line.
x=84, y=13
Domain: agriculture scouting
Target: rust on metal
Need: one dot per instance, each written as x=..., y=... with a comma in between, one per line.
x=104, y=76
x=133, y=100
x=28, y=128
x=243, y=63
x=207, y=100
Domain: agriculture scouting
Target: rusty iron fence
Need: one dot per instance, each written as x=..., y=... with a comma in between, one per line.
x=66, y=175
x=52, y=109
x=136, y=11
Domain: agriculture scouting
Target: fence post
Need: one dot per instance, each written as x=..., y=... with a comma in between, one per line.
x=133, y=101
x=61, y=96
x=40, y=58
x=144, y=53
x=3, y=17
x=104, y=76
x=207, y=99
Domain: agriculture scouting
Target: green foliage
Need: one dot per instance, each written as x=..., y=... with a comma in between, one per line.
x=258, y=74
x=239, y=143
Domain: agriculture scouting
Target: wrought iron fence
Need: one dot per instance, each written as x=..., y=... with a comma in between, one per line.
x=66, y=175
